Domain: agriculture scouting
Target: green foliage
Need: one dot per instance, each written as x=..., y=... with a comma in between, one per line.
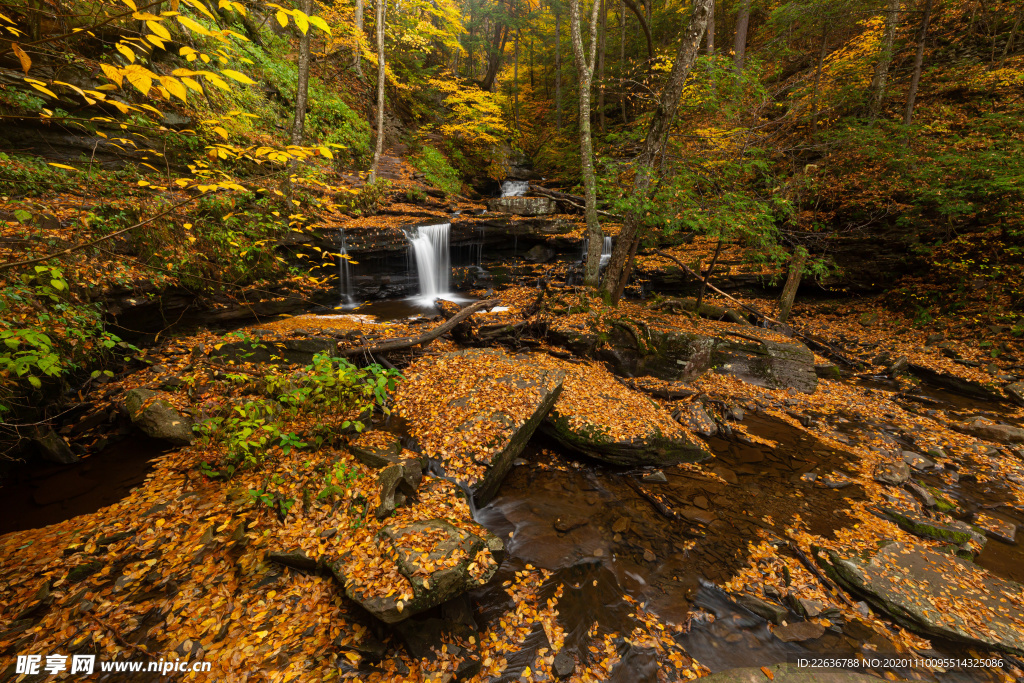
x=437, y=169
x=330, y=120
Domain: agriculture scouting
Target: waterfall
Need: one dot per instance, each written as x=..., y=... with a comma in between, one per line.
x=344, y=277
x=606, y=249
x=514, y=188
x=429, y=247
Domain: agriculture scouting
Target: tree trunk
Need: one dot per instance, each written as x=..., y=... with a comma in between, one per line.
x=918, y=61
x=302, y=88
x=644, y=24
x=558, y=69
x=884, y=58
x=1013, y=35
x=494, y=58
x=710, y=35
x=357, y=43
x=602, y=46
x=707, y=275
x=817, y=80
x=622, y=62
x=740, y=44
x=796, y=273
x=381, y=76
x=618, y=271
x=585, y=71
x=515, y=81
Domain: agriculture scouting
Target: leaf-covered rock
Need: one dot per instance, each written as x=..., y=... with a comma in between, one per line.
x=156, y=417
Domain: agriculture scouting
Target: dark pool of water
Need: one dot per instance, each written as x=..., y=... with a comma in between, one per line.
x=36, y=495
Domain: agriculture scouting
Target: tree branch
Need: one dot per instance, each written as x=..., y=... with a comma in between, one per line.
x=425, y=338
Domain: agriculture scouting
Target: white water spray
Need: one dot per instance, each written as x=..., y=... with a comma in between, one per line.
x=429, y=246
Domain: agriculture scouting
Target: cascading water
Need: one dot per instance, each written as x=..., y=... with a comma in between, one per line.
x=606, y=249
x=344, y=277
x=514, y=188
x=429, y=247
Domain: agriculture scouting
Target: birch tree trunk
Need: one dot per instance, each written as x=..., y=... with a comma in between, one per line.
x=585, y=71
x=302, y=88
x=918, y=61
x=381, y=76
x=710, y=35
x=619, y=268
x=878, y=82
x=357, y=43
x=601, y=49
x=558, y=67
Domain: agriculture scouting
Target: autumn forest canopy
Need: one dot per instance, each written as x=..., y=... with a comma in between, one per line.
x=432, y=340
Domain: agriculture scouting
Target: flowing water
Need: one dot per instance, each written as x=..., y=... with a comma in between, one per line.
x=514, y=188
x=430, y=252
x=606, y=249
x=344, y=276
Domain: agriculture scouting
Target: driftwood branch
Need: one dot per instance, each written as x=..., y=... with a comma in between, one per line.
x=425, y=338
x=570, y=199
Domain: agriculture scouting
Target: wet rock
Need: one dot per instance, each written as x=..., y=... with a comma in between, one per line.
x=655, y=478
x=701, y=502
x=621, y=525
x=808, y=608
x=834, y=480
x=398, y=484
x=997, y=528
x=695, y=514
x=156, y=417
x=996, y=432
x=917, y=461
x=569, y=523
x=441, y=573
x=769, y=611
x=653, y=437
x=899, y=366
x=809, y=477
x=695, y=418
x=892, y=473
x=921, y=492
x=376, y=449
x=518, y=382
x=564, y=665
x=1016, y=392
x=276, y=351
x=725, y=473
x=540, y=254
x=295, y=559
x=938, y=595
x=942, y=529
x=523, y=206
x=954, y=383
x=53, y=448
x=828, y=372
x=798, y=631
x=788, y=673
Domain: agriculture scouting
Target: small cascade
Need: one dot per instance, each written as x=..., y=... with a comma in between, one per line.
x=429, y=248
x=606, y=249
x=514, y=188
x=344, y=277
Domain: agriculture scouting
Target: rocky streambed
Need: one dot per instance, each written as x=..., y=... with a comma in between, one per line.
x=625, y=496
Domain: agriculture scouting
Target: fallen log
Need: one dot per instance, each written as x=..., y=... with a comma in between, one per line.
x=424, y=339
x=570, y=199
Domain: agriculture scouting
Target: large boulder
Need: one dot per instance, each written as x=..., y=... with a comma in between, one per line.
x=600, y=417
x=632, y=349
x=523, y=206
x=473, y=411
x=155, y=416
x=439, y=560
x=937, y=594
x=1001, y=433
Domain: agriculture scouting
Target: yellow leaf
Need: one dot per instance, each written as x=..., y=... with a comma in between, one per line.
x=282, y=18
x=192, y=83
x=139, y=77
x=155, y=40
x=301, y=20
x=325, y=152
x=44, y=90
x=175, y=87
x=239, y=7
x=320, y=24
x=221, y=132
x=126, y=51
x=238, y=76
x=218, y=81
x=113, y=73
x=159, y=29
x=131, y=4
x=192, y=25
x=70, y=168
x=199, y=6
x=26, y=63
x=143, y=183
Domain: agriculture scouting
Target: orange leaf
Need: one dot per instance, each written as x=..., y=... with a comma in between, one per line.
x=768, y=672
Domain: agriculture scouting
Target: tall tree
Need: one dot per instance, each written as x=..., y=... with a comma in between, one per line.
x=558, y=64
x=585, y=71
x=495, y=54
x=878, y=81
x=739, y=45
x=918, y=61
x=601, y=50
x=302, y=88
x=357, y=41
x=710, y=35
x=381, y=76
x=622, y=61
x=621, y=263
x=796, y=273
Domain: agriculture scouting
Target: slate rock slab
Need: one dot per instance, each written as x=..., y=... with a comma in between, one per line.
x=938, y=594
x=156, y=417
